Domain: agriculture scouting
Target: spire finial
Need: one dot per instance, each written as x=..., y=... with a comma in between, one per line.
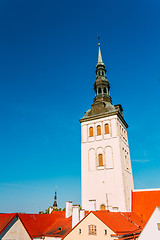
x=99, y=41
x=99, y=53
x=55, y=200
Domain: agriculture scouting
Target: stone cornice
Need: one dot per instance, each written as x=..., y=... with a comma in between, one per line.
x=104, y=115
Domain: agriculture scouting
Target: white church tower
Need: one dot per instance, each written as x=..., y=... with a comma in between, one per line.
x=106, y=172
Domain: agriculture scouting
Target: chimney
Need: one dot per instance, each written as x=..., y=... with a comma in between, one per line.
x=82, y=214
x=75, y=215
x=50, y=210
x=92, y=205
x=68, y=209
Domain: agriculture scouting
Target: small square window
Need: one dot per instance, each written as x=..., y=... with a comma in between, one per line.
x=105, y=232
x=115, y=209
x=92, y=230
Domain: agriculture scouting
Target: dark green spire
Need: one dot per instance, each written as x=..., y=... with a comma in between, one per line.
x=101, y=86
x=102, y=105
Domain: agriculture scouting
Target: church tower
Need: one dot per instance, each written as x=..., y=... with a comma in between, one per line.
x=106, y=174
x=55, y=201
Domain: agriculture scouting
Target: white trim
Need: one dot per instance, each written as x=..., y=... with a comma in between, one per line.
x=145, y=190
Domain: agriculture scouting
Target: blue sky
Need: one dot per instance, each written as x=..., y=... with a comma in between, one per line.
x=48, y=55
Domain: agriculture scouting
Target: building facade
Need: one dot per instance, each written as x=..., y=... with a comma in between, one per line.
x=106, y=174
x=107, y=225
x=152, y=227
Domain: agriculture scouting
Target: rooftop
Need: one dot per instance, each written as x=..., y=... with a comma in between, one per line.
x=144, y=202
x=51, y=225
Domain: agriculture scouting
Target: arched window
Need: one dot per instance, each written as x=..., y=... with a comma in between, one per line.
x=126, y=162
x=104, y=90
x=91, y=131
x=106, y=128
x=98, y=130
x=103, y=207
x=109, y=160
x=122, y=131
x=100, y=160
x=124, y=134
x=99, y=90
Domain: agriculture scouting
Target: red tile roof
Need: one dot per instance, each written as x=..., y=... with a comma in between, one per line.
x=145, y=201
x=56, y=225
x=5, y=220
x=37, y=225
x=121, y=222
x=47, y=224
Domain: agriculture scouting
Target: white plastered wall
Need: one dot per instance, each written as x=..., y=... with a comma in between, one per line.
x=150, y=230
x=16, y=231
x=111, y=184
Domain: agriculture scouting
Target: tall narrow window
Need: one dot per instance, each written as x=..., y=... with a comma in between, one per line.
x=99, y=90
x=91, y=131
x=124, y=136
x=100, y=160
x=106, y=128
x=126, y=162
x=104, y=90
x=98, y=130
